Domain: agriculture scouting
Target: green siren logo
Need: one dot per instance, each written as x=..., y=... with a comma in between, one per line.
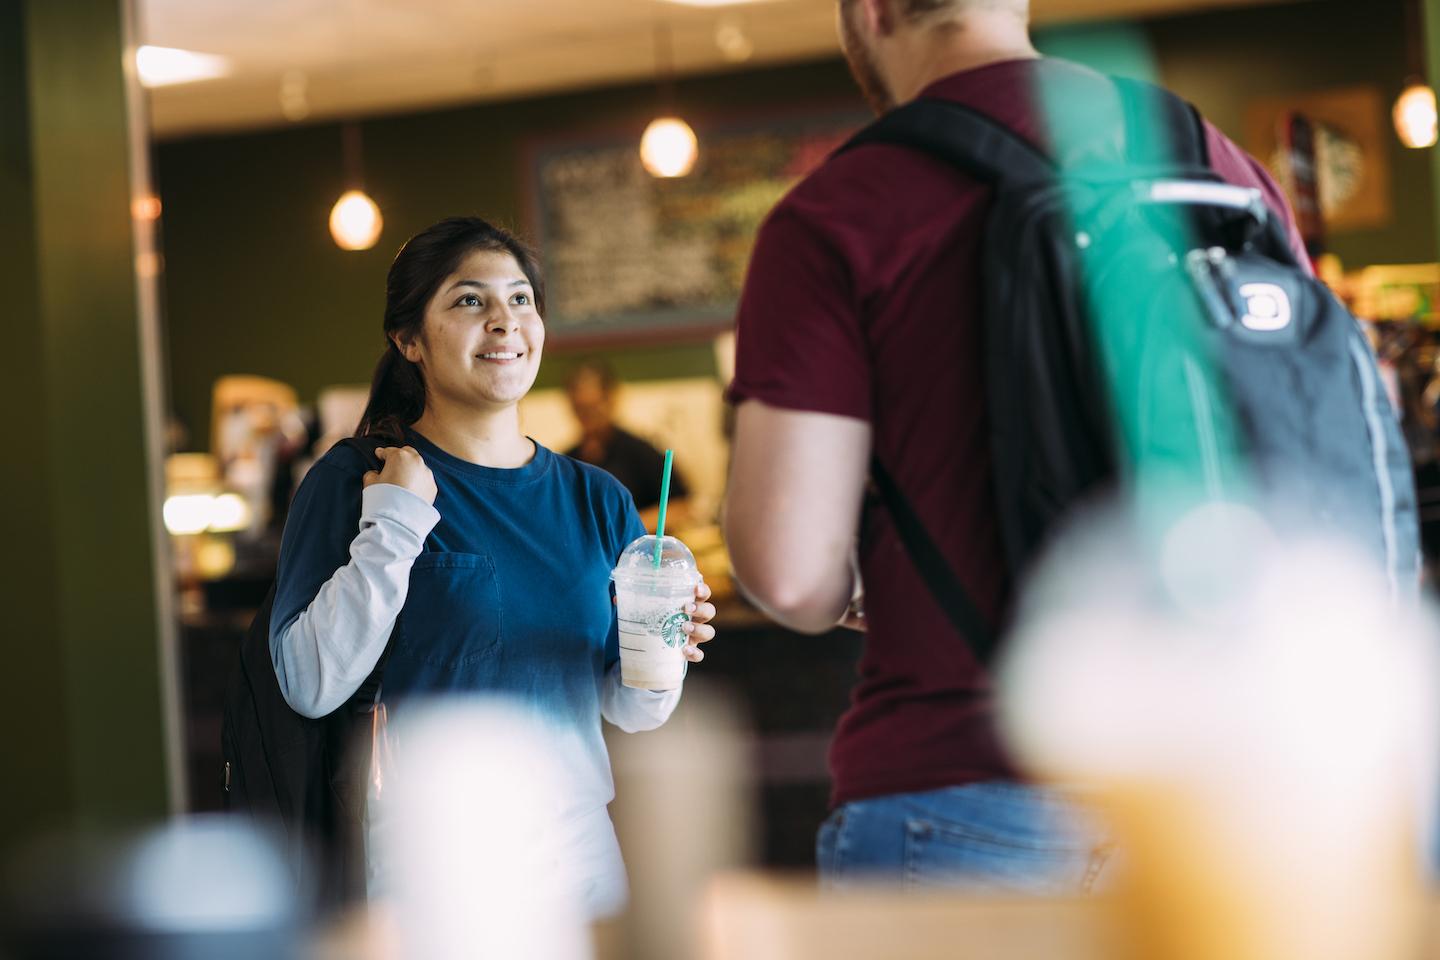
x=670, y=630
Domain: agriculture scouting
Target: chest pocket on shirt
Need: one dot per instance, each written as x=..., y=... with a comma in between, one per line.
x=451, y=617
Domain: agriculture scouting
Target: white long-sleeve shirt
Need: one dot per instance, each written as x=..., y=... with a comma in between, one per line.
x=324, y=650
x=323, y=656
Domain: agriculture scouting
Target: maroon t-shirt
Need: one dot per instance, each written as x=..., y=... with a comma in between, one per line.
x=863, y=300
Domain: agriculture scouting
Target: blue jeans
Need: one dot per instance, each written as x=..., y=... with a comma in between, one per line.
x=993, y=837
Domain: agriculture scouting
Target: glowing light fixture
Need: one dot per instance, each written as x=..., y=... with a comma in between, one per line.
x=146, y=207
x=187, y=513
x=1415, y=117
x=735, y=45
x=166, y=66
x=1414, y=112
x=669, y=147
x=229, y=513
x=355, y=221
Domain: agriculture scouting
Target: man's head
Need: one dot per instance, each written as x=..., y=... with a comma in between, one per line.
x=874, y=35
x=591, y=389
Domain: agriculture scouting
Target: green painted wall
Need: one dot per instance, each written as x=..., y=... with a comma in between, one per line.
x=32, y=607
x=1431, y=25
x=1222, y=60
x=85, y=736
x=254, y=284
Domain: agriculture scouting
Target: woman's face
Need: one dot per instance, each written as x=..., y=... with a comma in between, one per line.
x=482, y=337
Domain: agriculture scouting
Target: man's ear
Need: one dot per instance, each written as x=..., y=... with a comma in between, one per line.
x=878, y=16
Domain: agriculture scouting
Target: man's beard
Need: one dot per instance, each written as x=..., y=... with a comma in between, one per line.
x=862, y=66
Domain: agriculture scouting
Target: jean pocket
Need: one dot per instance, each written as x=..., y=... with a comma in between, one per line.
x=452, y=613
x=829, y=848
x=944, y=855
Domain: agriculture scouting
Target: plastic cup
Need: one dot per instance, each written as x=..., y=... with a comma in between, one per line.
x=651, y=602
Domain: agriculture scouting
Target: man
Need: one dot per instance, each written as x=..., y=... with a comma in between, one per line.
x=592, y=387
x=859, y=332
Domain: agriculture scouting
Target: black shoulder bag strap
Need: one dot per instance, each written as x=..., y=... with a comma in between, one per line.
x=992, y=154
x=365, y=698
x=964, y=138
x=345, y=878
x=1147, y=106
x=940, y=578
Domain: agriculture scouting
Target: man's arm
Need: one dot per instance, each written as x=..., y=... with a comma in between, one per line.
x=792, y=511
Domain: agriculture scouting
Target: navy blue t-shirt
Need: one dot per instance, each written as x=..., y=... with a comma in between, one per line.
x=511, y=594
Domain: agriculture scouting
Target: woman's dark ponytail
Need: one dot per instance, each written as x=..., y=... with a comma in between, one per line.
x=397, y=393
x=397, y=398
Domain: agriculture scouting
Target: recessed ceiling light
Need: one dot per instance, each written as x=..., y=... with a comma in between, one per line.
x=733, y=43
x=165, y=66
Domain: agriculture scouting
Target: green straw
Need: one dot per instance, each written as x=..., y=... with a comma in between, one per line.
x=664, y=502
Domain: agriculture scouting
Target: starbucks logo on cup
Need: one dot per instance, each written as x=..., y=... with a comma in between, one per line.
x=670, y=630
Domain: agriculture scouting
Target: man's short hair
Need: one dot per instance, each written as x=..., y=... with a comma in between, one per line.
x=921, y=9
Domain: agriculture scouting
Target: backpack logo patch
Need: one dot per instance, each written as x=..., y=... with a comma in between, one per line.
x=1267, y=307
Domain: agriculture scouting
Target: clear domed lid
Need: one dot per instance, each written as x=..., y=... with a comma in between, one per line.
x=638, y=561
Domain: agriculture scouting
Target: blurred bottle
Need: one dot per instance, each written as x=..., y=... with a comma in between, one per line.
x=1257, y=719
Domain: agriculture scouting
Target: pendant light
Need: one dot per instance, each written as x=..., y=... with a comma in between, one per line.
x=668, y=147
x=1414, y=113
x=355, y=221
x=1415, y=117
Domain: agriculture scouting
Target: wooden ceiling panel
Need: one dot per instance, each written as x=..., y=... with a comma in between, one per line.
x=358, y=57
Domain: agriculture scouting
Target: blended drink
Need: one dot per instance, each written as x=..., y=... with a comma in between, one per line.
x=650, y=598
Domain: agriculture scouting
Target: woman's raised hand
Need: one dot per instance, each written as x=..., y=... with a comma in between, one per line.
x=404, y=467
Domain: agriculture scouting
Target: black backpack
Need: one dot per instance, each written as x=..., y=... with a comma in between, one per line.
x=1146, y=325
x=295, y=775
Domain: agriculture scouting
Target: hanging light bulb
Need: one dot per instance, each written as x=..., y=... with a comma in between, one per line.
x=1415, y=117
x=669, y=147
x=355, y=221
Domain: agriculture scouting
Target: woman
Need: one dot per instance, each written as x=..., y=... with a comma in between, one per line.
x=487, y=555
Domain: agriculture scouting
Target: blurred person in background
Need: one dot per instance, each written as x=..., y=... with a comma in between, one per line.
x=475, y=560
x=859, y=336
x=592, y=390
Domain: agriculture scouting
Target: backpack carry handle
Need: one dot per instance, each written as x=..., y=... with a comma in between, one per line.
x=1201, y=193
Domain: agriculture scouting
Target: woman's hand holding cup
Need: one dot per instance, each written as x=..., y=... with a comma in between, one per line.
x=698, y=630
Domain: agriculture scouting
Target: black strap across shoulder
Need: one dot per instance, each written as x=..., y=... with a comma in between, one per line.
x=368, y=694
x=964, y=138
x=1147, y=106
x=993, y=154
x=944, y=586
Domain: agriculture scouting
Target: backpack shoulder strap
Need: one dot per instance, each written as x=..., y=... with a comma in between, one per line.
x=1150, y=110
x=368, y=694
x=939, y=577
x=366, y=447
x=965, y=138
x=992, y=154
